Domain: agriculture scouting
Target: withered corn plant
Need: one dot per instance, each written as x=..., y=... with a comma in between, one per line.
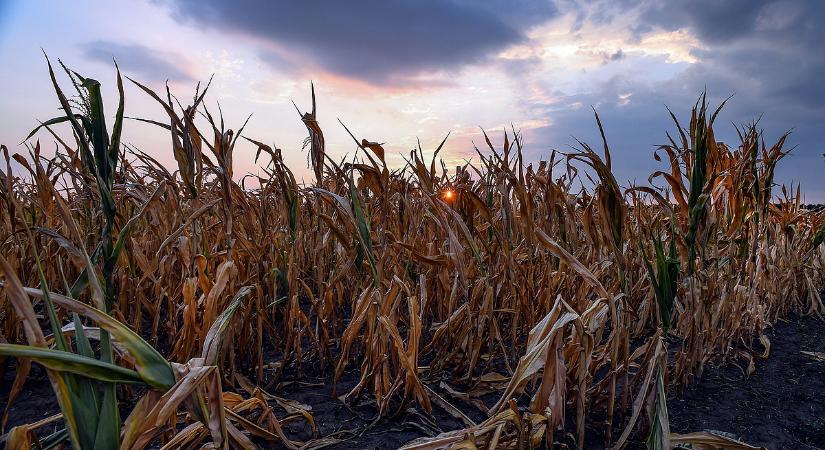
x=85, y=380
x=568, y=296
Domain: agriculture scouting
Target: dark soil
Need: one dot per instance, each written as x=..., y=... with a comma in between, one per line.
x=780, y=406
x=35, y=402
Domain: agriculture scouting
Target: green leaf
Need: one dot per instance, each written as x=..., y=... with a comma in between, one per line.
x=108, y=426
x=69, y=362
x=53, y=440
x=151, y=365
x=51, y=122
x=99, y=135
x=665, y=280
x=83, y=392
x=83, y=395
x=363, y=226
x=659, y=437
x=117, y=128
x=83, y=345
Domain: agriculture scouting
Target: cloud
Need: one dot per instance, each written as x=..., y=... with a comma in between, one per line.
x=766, y=53
x=713, y=21
x=618, y=55
x=773, y=48
x=135, y=58
x=383, y=42
x=725, y=22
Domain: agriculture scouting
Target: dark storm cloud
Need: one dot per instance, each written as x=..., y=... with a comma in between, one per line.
x=713, y=21
x=138, y=59
x=775, y=46
x=723, y=22
x=379, y=41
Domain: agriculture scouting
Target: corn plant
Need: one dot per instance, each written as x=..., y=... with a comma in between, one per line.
x=665, y=279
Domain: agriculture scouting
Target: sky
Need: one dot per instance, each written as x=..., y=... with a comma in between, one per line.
x=395, y=71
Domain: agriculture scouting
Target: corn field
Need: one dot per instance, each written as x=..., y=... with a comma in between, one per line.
x=570, y=297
